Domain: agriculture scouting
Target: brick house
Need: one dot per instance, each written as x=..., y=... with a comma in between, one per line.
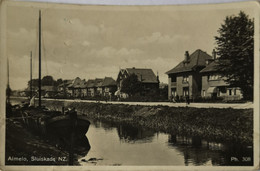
x=100, y=86
x=90, y=88
x=149, y=80
x=185, y=78
x=109, y=86
x=75, y=87
x=214, y=85
x=63, y=88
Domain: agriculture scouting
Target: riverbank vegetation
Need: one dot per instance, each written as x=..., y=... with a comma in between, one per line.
x=216, y=124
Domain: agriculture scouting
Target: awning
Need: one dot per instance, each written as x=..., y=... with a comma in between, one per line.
x=212, y=90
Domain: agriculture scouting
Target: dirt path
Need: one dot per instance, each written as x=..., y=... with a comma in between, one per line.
x=248, y=105
x=195, y=105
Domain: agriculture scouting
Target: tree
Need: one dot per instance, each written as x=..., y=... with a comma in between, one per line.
x=48, y=81
x=131, y=85
x=235, y=48
x=34, y=83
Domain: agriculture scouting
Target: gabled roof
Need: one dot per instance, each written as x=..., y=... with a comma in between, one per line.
x=108, y=81
x=196, y=59
x=77, y=83
x=212, y=67
x=66, y=83
x=98, y=82
x=144, y=75
x=90, y=83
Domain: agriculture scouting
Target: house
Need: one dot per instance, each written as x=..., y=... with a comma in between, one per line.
x=90, y=87
x=185, y=78
x=48, y=91
x=93, y=87
x=214, y=84
x=63, y=88
x=75, y=87
x=109, y=86
x=149, y=80
x=100, y=86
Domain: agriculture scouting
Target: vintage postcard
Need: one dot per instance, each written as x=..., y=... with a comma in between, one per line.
x=112, y=87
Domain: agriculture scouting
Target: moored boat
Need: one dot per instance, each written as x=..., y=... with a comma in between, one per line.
x=43, y=120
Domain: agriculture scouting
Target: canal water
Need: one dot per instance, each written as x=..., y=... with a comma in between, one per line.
x=124, y=144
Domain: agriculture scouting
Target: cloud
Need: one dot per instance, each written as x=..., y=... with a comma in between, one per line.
x=160, y=38
x=110, y=52
x=85, y=43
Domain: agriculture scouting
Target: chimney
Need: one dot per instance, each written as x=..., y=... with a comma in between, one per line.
x=214, y=54
x=187, y=56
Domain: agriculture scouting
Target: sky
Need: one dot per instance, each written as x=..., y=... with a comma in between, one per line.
x=97, y=41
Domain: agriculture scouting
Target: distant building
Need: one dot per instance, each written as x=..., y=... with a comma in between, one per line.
x=214, y=85
x=46, y=90
x=109, y=86
x=90, y=87
x=100, y=86
x=63, y=88
x=185, y=78
x=149, y=80
x=71, y=88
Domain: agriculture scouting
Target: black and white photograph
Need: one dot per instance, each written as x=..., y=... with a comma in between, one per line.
x=145, y=87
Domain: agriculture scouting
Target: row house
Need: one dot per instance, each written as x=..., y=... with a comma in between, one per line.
x=63, y=88
x=71, y=88
x=109, y=86
x=197, y=76
x=100, y=86
x=93, y=87
x=75, y=88
x=149, y=80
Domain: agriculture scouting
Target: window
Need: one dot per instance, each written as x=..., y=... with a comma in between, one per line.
x=235, y=91
x=230, y=92
x=186, y=78
x=218, y=92
x=185, y=91
x=204, y=93
x=174, y=92
x=173, y=78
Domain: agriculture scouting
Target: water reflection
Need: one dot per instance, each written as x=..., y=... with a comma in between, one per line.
x=125, y=144
x=128, y=133
x=199, y=152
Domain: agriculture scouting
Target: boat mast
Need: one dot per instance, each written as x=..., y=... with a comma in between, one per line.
x=8, y=92
x=7, y=72
x=31, y=76
x=40, y=59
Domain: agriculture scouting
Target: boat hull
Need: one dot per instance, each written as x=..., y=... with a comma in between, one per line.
x=64, y=126
x=53, y=122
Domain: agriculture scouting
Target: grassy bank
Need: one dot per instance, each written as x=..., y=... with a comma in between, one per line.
x=211, y=123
